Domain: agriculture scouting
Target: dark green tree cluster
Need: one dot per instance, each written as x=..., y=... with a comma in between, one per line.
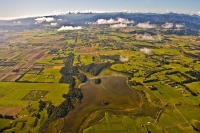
x=62, y=110
x=68, y=71
x=98, y=68
x=134, y=83
x=150, y=80
x=194, y=73
x=53, y=51
x=50, y=109
x=86, y=68
x=56, y=112
x=42, y=105
x=95, y=69
x=110, y=57
x=81, y=77
x=68, y=79
x=7, y=116
x=97, y=81
x=74, y=94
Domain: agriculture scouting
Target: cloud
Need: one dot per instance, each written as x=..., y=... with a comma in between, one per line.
x=168, y=25
x=118, y=25
x=159, y=38
x=180, y=25
x=146, y=25
x=54, y=24
x=64, y=28
x=114, y=21
x=93, y=11
x=123, y=58
x=60, y=20
x=124, y=21
x=44, y=19
x=104, y=21
x=146, y=36
x=56, y=13
x=169, y=11
x=145, y=50
x=17, y=22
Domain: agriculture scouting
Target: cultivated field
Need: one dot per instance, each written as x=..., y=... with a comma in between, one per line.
x=99, y=79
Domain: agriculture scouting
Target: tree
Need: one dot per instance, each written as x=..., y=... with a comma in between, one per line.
x=97, y=81
x=42, y=105
x=82, y=78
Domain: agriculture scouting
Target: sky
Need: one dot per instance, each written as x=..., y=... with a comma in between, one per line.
x=16, y=8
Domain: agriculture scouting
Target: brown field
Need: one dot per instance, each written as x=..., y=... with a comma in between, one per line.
x=24, y=58
x=110, y=52
x=45, y=56
x=39, y=56
x=35, y=54
x=112, y=89
x=5, y=72
x=9, y=110
x=12, y=78
x=12, y=56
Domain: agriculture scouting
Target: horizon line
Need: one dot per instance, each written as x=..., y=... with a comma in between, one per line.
x=58, y=13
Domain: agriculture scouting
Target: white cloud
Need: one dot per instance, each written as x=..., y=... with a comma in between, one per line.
x=118, y=25
x=17, y=22
x=145, y=50
x=168, y=25
x=59, y=12
x=64, y=28
x=123, y=58
x=114, y=21
x=93, y=11
x=125, y=21
x=180, y=25
x=169, y=11
x=44, y=19
x=54, y=24
x=146, y=36
x=104, y=21
x=60, y=20
x=159, y=38
x=146, y=25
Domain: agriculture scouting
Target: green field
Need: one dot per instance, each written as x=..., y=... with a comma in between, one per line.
x=16, y=91
x=48, y=81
